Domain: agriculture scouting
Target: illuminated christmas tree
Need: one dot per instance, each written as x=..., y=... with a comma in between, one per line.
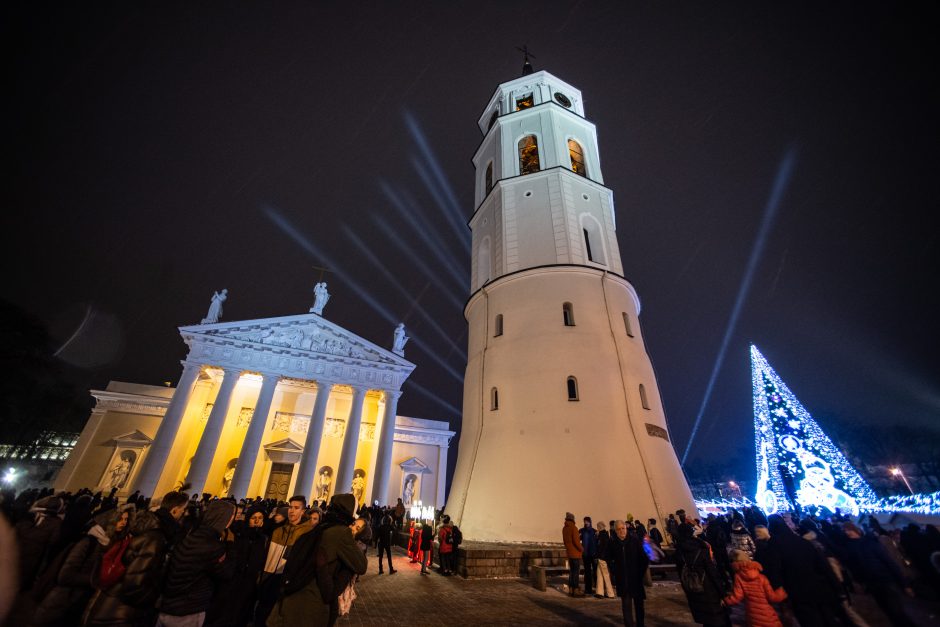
x=796, y=461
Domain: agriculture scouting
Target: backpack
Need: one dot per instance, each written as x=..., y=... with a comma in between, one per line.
x=112, y=566
x=455, y=536
x=691, y=579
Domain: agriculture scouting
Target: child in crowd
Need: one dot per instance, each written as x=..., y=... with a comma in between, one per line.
x=755, y=590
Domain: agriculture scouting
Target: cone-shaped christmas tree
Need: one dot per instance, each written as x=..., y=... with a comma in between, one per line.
x=796, y=462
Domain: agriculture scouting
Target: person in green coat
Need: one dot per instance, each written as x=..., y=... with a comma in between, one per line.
x=320, y=566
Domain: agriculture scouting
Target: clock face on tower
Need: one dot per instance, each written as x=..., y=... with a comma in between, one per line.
x=562, y=99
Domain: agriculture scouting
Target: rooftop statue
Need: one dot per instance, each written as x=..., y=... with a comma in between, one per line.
x=215, y=307
x=398, y=345
x=320, y=298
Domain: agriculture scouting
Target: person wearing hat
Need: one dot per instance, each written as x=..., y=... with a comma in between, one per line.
x=740, y=539
x=319, y=568
x=235, y=599
x=199, y=563
x=574, y=551
x=753, y=588
x=36, y=536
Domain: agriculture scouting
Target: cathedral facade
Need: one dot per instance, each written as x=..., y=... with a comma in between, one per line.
x=561, y=410
x=272, y=408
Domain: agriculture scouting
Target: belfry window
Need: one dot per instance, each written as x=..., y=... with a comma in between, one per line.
x=643, y=400
x=572, y=389
x=528, y=155
x=489, y=178
x=525, y=102
x=587, y=245
x=627, y=325
x=499, y=326
x=577, y=157
x=494, y=399
x=567, y=311
x=593, y=240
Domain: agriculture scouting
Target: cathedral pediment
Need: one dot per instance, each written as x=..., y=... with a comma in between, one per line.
x=306, y=334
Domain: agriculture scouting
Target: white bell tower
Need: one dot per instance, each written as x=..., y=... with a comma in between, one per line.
x=561, y=409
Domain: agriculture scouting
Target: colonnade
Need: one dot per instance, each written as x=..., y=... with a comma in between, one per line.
x=156, y=459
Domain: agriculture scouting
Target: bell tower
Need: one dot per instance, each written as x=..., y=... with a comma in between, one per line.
x=561, y=409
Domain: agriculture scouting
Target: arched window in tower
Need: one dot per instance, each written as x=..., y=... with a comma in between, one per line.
x=498, y=326
x=494, y=399
x=567, y=311
x=643, y=400
x=627, y=325
x=577, y=158
x=593, y=239
x=524, y=102
x=484, y=263
x=528, y=155
x=572, y=389
x=489, y=178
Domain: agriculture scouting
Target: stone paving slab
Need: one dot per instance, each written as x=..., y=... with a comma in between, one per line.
x=408, y=598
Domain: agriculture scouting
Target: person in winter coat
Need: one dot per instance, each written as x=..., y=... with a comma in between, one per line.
x=234, y=601
x=705, y=600
x=753, y=588
x=320, y=566
x=385, y=537
x=804, y=573
x=447, y=550
x=741, y=540
x=589, y=555
x=574, y=551
x=36, y=536
x=628, y=563
x=132, y=600
x=75, y=580
x=427, y=540
x=655, y=534
x=605, y=588
x=282, y=542
x=199, y=562
x=871, y=564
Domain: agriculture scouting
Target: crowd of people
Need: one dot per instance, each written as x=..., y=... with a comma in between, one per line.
x=181, y=560
x=785, y=569
x=190, y=560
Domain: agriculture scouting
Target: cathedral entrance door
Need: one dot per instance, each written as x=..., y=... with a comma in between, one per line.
x=279, y=482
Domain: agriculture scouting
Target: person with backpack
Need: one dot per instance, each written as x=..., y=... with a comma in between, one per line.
x=198, y=564
x=703, y=585
x=75, y=576
x=447, y=550
x=137, y=573
x=319, y=568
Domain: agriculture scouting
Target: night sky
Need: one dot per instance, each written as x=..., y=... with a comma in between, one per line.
x=163, y=152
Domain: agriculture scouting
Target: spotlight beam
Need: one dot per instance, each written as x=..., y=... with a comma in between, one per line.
x=411, y=385
x=770, y=211
x=284, y=224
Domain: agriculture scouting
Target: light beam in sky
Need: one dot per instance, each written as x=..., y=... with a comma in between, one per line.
x=770, y=211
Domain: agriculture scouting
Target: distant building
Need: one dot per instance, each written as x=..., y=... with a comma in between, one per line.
x=36, y=463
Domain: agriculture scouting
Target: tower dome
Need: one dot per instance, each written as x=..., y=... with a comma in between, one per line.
x=561, y=410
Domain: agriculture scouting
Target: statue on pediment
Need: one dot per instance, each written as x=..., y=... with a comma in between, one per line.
x=398, y=345
x=320, y=298
x=215, y=307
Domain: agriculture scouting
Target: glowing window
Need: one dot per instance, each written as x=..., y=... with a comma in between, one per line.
x=577, y=158
x=627, y=324
x=643, y=400
x=525, y=102
x=489, y=178
x=499, y=325
x=494, y=399
x=572, y=389
x=528, y=155
x=567, y=311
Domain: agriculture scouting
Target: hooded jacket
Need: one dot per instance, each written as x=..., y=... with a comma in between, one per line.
x=198, y=563
x=572, y=540
x=755, y=590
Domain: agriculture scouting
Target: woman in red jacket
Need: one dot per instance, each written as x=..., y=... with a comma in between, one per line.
x=755, y=590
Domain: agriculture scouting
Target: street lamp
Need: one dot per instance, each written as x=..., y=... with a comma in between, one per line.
x=898, y=472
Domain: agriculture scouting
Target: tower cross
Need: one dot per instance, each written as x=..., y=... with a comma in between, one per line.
x=526, y=66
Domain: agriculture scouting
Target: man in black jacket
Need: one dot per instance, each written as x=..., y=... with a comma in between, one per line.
x=197, y=565
x=385, y=536
x=627, y=562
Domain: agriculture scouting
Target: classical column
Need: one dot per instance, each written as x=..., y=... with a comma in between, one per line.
x=383, y=460
x=441, y=475
x=202, y=461
x=155, y=460
x=347, y=460
x=249, y=453
x=308, y=459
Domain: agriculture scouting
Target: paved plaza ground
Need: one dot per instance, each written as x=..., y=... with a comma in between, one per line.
x=409, y=598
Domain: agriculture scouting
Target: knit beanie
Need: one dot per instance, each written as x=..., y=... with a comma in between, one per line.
x=569, y=516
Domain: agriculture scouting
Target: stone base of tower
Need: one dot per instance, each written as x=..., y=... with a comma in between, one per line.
x=532, y=446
